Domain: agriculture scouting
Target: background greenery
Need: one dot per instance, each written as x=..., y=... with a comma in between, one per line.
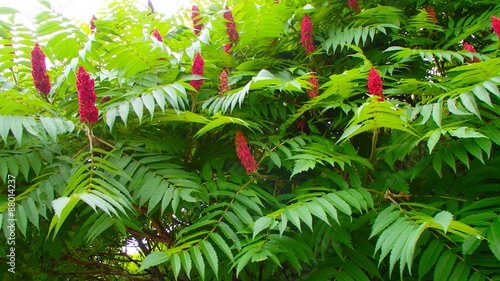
x=407, y=188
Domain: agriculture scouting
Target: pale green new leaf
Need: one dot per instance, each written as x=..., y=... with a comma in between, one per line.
x=384, y=219
x=261, y=224
x=154, y=259
x=444, y=219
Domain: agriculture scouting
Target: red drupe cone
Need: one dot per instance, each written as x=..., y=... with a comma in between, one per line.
x=223, y=86
x=354, y=5
x=231, y=26
x=39, y=70
x=244, y=154
x=306, y=34
x=86, y=97
x=195, y=16
x=156, y=34
x=495, y=23
x=470, y=48
x=432, y=14
x=198, y=66
x=92, y=24
x=375, y=84
x=313, y=92
x=227, y=48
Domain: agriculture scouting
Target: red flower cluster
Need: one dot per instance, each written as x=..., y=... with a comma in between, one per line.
x=156, y=34
x=244, y=154
x=313, y=92
x=39, y=70
x=306, y=34
x=86, y=97
x=432, y=14
x=198, y=66
x=223, y=86
x=92, y=24
x=353, y=4
x=470, y=48
x=375, y=84
x=195, y=16
x=231, y=26
x=495, y=23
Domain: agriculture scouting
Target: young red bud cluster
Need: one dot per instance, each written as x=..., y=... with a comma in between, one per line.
x=198, y=66
x=303, y=127
x=354, y=5
x=375, y=84
x=86, y=97
x=156, y=34
x=195, y=16
x=306, y=34
x=92, y=24
x=224, y=85
x=227, y=48
x=231, y=26
x=39, y=70
x=470, y=48
x=313, y=91
x=244, y=154
x=495, y=23
x=105, y=99
x=432, y=14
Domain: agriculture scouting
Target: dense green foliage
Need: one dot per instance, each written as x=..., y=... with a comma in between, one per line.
x=348, y=187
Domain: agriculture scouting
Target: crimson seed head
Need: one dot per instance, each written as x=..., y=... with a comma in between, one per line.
x=432, y=14
x=313, y=92
x=231, y=26
x=86, y=97
x=244, y=154
x=156, y=34
x=495, y=23
x=39, y=70
x=195, y=16
x=306, y=34
x=353, y=4
x=375, y=84
x=198, y=66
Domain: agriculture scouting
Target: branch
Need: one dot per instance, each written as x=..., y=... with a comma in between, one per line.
x=108, y=268
x=157, y=225
x=146, y=235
